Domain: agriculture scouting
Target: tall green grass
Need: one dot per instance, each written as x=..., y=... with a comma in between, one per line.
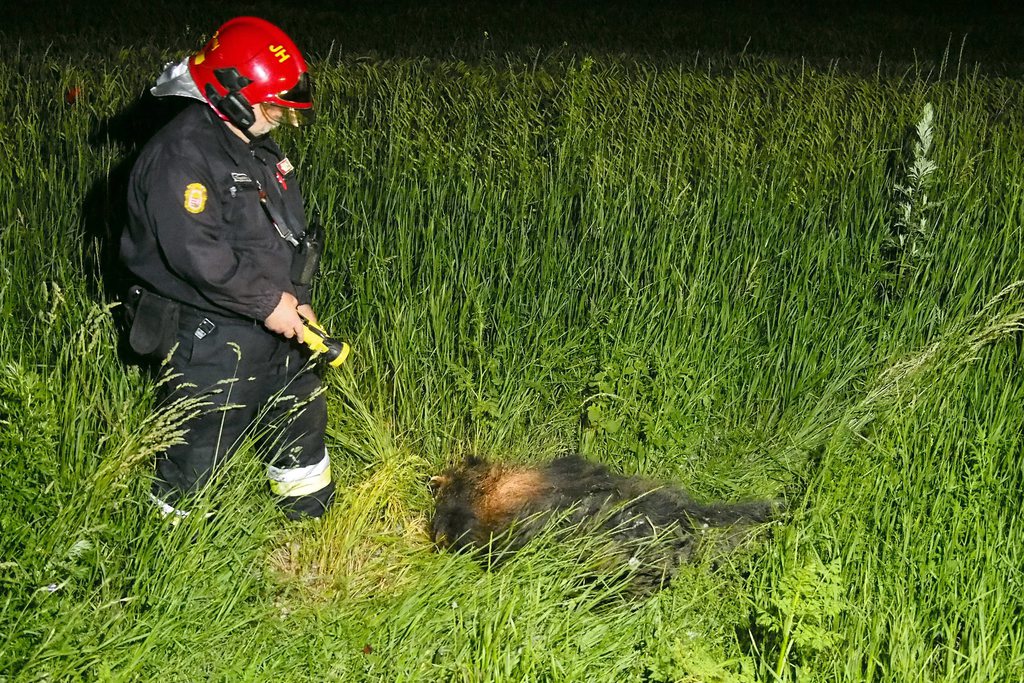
x=692, y=272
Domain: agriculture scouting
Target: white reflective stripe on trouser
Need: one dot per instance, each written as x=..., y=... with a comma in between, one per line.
x=300, y=481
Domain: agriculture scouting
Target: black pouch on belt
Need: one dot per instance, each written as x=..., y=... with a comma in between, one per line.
x=307, y=248
x=154, y=323
x=306, y=258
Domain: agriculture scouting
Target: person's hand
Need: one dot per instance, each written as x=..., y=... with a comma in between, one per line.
x=285, y=320
x=306, y=311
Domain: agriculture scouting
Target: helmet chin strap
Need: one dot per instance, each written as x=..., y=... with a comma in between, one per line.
x=233, y=105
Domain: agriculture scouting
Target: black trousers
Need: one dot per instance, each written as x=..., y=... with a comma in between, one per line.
x=255, y=384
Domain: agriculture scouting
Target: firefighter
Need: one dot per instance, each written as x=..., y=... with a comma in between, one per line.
x=220, y=253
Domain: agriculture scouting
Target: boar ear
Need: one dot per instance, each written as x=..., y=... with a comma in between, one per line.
x=436, y=484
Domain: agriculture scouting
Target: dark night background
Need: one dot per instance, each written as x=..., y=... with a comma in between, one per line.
x=849, y=35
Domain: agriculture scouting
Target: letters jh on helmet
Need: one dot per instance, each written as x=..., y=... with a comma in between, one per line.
x=250, y=62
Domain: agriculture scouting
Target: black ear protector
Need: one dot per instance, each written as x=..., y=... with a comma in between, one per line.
x=233, y=105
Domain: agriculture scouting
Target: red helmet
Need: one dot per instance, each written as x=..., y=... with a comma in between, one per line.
x=251, y=57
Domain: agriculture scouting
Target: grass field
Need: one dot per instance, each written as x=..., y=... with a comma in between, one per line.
x=745, y=271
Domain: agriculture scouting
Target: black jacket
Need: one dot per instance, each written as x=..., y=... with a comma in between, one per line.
x=196, y=231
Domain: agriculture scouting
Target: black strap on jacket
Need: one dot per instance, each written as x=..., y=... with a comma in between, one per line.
x=277, y=218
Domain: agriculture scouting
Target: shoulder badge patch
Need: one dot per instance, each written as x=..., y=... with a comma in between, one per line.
x=285, y=166
x=195, y=198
